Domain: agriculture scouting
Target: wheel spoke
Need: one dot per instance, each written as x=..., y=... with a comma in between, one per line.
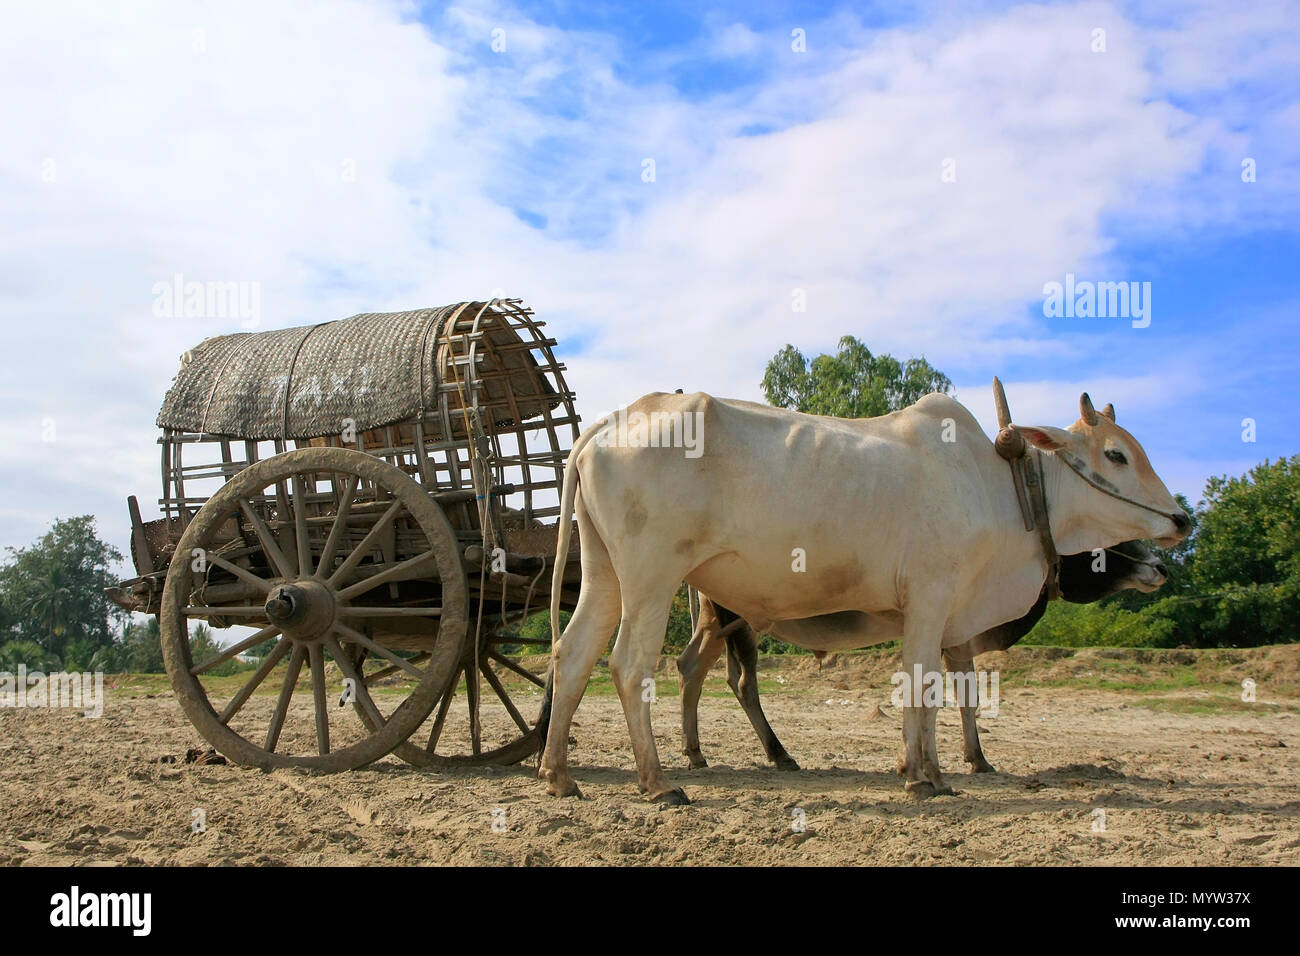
x=317, y=522
x=396, y=571
x=233, y=649
x=362, y=692
x=521, y=671
x=289, y=548
x=318, y=691
x=269, y=546
x=495, y=683
x=300, y=527
x=471, y=693
x=268, y=664
x=286, y=693
x=356, y=637
x=393, y=668
x=356, y=611
x=367, y=543
x=337, y=529
x=436, y=730
x=248, y=577
x=507, y=639
x=237, y=610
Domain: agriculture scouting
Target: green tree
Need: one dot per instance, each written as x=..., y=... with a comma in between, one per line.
x=143, y=648
x=852, y=383
x=205, y=646
x=1105, y=624
x=1245, y=560
x=52, y=593
x=538, y=626
x=50, y=602
x=28, y=654
x=679, y=623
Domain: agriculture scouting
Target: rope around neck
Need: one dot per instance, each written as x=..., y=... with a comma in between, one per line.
x=1101, y=484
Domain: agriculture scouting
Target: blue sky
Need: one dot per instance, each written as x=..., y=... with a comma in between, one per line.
x=385, y=155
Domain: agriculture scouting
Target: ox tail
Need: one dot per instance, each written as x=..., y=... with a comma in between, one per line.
x=568, y=498
x=564, y=534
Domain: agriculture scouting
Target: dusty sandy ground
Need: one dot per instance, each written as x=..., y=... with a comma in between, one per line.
x=1176, y=788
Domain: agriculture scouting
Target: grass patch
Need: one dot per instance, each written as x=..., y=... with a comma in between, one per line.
x=1217, y=706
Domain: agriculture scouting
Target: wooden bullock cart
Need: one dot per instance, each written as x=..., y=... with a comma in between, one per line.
x=373, y=501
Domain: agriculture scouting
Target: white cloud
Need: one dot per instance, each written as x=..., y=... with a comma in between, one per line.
x=736, y=40
x=229, y=164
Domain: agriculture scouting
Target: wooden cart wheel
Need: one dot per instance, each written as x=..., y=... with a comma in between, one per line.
x=481, y=716
x=304, y=546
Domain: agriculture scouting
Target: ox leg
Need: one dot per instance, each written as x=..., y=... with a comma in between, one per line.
x=632, y=666
x=958, y=664
x=742, y=675
x=575, y=654
x=923, y=623
x=692, y=668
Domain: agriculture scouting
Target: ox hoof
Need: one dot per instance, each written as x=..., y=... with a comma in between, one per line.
x=560, y=786
x=675, y=797
x=981, y=766
x=924, y=790
x=920, y=789
x=786, y=762
x=697, y=761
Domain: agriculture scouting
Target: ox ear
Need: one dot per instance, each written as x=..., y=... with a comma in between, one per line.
x=1046, y=437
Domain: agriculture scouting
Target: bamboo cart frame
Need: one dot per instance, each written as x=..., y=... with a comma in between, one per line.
x=375, y=497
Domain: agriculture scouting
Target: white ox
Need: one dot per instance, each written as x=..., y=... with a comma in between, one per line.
x=908, y=525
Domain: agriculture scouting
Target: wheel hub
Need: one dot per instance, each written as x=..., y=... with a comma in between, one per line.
x=303, y=610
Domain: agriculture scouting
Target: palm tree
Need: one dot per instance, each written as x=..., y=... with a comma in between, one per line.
x=29, y=654
x=143, y=647
x=49, y=605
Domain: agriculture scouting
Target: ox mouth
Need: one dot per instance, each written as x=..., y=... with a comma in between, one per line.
x=1182, y=528
x=1151, y=577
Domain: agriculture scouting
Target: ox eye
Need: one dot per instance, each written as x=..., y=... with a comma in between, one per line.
x=1117, y=456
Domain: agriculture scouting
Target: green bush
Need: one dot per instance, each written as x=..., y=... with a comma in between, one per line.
x=28, y=654
x=1102, y=625
x=538, y=626
x=204, y=645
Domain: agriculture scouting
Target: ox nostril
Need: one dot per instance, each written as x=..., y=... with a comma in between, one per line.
x=1181, y=521
x=1162, y=570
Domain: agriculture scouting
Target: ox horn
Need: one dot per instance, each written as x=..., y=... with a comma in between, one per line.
x=1009, y=443
x=1000, y=402
x=1086, y=411
x=1109, y=411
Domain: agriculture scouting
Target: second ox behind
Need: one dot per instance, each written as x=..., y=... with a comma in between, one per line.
x=1083, y=581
